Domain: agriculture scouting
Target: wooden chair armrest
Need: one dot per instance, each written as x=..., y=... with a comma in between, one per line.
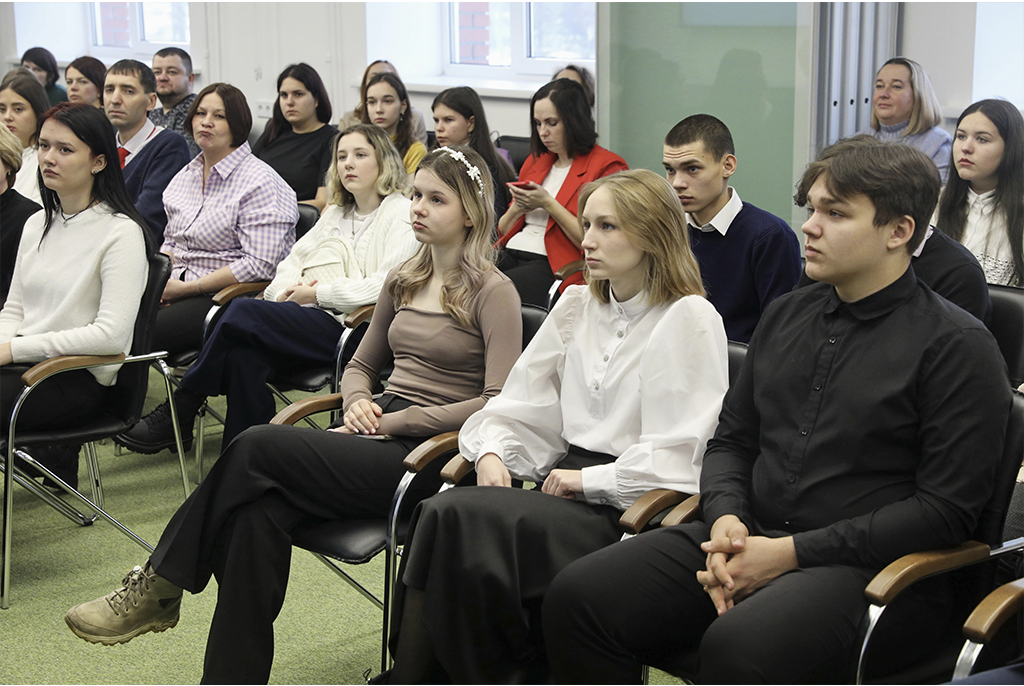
x=456, y=469
x=430, y=449
x=901, y=573
x=569, y=269
x=684, y=512
x=229, y=293
x=641, y=512
x=307, y=406
x=49, y=367
x=358, y=316
x=993, y=611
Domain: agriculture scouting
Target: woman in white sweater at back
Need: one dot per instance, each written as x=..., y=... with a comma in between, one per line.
x=78, y=280
x=337, y=267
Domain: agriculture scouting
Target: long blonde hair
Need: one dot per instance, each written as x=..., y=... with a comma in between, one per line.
x=649, y=213
x=463, y=170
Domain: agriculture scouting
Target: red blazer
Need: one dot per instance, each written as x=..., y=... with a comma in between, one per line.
x=585, y=168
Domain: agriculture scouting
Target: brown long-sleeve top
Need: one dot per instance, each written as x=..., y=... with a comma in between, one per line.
x=447, y=369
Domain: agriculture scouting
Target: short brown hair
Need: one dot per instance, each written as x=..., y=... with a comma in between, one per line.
x=898, y=179
x=236, y=109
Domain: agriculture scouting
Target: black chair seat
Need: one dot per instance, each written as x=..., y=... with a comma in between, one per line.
x=182, y=359
x=102, y=427
x=309, y=380
x=350, y=541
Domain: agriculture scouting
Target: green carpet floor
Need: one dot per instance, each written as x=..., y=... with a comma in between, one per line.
x=327, y=633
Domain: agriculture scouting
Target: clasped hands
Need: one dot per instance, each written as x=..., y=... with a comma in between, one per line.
x=361, y=418
x=738, y=564
x=301, y=293
x=564, y=483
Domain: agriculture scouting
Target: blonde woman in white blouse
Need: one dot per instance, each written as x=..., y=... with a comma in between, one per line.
x=338, y=266
x=618, y=393
x=983, y=204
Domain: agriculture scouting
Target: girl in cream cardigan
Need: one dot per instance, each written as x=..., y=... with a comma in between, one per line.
x=337, y=267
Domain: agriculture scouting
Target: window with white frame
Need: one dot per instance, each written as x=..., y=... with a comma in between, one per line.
x=509, y=40
x=128, y=29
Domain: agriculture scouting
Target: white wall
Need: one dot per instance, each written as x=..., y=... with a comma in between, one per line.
x=940, y=36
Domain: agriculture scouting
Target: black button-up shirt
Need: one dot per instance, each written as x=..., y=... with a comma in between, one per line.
x=869, y=430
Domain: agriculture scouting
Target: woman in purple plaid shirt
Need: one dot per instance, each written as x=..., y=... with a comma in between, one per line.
x=230, y=218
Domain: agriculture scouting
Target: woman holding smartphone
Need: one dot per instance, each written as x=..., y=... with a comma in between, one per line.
x=539, y=232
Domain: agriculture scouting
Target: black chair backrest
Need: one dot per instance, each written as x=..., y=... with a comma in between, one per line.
x=308, y=216
x=737, y=353
x=518, y=147
x=533, y=317
x=129, y=392
x=990, y=525
x=1007, y=326
x=431, y=140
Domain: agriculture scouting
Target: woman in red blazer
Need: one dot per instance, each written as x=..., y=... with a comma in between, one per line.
x=539, y=232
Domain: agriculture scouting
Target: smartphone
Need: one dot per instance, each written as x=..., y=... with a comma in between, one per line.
x=520, y=184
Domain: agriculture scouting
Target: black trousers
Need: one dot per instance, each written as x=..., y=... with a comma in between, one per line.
x=62, y=401
x=530, y=272
x=638, y=602
x=251, y=343
x=237, y=526
x=179, y=326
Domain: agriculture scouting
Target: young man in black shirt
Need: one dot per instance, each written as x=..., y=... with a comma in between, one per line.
x=867, y=423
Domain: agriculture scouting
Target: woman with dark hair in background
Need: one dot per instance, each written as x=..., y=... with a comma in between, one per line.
x=15, y=209
x=297, y=140
x=387, y=106
x=78, y=281
x=22, y=104
x=230, y=218
x=459, y=119
x=904, y=109
x=982, y=206
x=43, y=66
x=580, y=75
x=539, y=231
x=85, y=77
x=355, y=116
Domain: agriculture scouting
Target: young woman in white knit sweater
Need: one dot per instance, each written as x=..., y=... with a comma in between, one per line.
x=338, y=266
x=78, y=280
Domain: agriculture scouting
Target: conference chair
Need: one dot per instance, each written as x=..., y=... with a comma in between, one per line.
x=308, y=217
x=516, y=146
x=984, y=623
x=355, y=542
x=567, y=270
x=1007, y=326
x=122, y=410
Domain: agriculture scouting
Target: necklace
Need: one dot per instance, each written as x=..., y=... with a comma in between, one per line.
x=66, y=218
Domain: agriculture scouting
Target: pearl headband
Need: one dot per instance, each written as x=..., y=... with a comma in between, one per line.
x=471, y=170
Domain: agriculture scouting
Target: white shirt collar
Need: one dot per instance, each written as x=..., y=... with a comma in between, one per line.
x=142, y=137
x=722, y=220
x=986, y=199
x=920, y=248
x=632, y=307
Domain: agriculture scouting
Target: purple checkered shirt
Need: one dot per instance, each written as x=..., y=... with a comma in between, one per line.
x=245, y=219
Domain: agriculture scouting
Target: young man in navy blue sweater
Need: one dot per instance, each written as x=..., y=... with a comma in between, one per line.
x=747, y=257
x=150, y=155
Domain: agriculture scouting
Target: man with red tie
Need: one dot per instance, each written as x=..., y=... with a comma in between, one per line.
x=150, y=155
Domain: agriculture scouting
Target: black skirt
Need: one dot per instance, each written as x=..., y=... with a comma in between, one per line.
x=484, y=557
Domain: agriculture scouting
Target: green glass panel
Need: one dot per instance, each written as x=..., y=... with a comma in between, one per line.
x=736, y=61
